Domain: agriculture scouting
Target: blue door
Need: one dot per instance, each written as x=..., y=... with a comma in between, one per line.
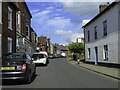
x=96, y=55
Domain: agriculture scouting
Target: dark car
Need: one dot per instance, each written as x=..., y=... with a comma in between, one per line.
x=18, y=66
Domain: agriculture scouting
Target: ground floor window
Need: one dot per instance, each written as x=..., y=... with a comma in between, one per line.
x=89, y=53
x=105, y=52
x=9, y=45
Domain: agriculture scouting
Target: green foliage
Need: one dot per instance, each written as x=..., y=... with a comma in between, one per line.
x=76, y=48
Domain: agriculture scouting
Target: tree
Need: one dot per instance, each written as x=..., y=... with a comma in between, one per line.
x=76, y=48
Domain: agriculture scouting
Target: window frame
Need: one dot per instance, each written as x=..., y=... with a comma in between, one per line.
x=18, y=21
x=10, y=18
x=105, y=28
x=27, y=26
x=88, y=34
x=89, y=53
x=95, y=33
x=105, y=52
x=10, y=45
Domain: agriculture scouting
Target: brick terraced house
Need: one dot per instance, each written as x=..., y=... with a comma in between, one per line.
x=16, y=34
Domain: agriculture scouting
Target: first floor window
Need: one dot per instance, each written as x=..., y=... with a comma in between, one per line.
x=88, y=53
x=9, y=18
x=18, y=21
x=9, y=45
x=105, y=52
x=27, y=30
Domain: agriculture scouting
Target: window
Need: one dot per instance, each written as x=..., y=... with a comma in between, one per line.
x=105, y=52
x=89, y=53
x=9, y=45
x=105, y=28
x=88, y=35
x=9, y=18
x=95, y=32
x=0, y=10
x=27, y=30
x=18, y=21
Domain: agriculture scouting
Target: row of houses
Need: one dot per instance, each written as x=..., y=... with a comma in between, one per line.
x=16, y=33
x=102, y=35
x=44, y=44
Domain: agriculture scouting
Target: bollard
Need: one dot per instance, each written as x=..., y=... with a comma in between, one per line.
x=78, y=61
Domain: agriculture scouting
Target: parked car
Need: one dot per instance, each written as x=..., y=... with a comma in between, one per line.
x=50, y=56
x=63, y=55
x=40, y=58
x=44, y=52
x=18, y=66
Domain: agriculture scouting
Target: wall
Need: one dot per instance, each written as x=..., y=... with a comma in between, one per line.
x=5, y=31
x=111, y=39
x=0, y=28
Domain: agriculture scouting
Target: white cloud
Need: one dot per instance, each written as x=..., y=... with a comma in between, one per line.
x=85, y=8
x=41, y=14
x=69, y=36
x=85, y=22
x=64, y=0
x=34, y=11
x=59, y=22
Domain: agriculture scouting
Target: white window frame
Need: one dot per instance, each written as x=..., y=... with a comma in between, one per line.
x=105, y=52
x=18, y=21
x=17, y=42
x=89, y=53
x=0, y=11
x=9, y=18
x=9, y=45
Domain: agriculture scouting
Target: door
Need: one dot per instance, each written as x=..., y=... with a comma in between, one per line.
x=96, y=55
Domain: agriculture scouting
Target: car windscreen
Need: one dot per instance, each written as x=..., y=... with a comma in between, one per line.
x=15, y=55
x=35, y=56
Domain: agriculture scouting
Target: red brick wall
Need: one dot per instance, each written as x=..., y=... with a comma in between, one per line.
x=5, y=31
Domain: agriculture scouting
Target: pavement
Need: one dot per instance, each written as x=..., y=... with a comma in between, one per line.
x=108, y=71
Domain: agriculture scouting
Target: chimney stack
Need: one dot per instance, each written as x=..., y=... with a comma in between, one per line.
x=103, y=7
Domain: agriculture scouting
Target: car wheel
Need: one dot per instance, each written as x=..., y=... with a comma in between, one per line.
x=28, y=78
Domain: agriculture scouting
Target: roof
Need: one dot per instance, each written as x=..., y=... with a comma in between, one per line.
x=101, y=13
x=28, y=9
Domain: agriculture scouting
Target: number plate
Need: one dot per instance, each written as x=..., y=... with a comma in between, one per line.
x=8, y=68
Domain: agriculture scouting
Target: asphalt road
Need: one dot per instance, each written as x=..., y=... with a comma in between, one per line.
x=61, y=74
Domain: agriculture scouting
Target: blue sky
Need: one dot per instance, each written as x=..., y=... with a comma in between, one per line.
x=61, y=21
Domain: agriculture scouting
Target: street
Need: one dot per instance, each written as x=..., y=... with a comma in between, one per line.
x=61, y=74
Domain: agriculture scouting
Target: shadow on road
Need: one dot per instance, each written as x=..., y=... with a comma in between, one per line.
x=16, y=82
x=41, y=65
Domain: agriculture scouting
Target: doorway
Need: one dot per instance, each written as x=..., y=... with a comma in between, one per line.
x=96, y=55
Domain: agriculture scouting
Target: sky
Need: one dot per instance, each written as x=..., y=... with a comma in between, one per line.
x=62, y=20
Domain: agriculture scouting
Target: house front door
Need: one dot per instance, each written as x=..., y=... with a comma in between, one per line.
x=96, y=55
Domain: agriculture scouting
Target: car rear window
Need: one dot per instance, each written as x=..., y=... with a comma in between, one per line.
x=15, y=55
x=38, y=56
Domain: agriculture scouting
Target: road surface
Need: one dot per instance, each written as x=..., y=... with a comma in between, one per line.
x=61, y=74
